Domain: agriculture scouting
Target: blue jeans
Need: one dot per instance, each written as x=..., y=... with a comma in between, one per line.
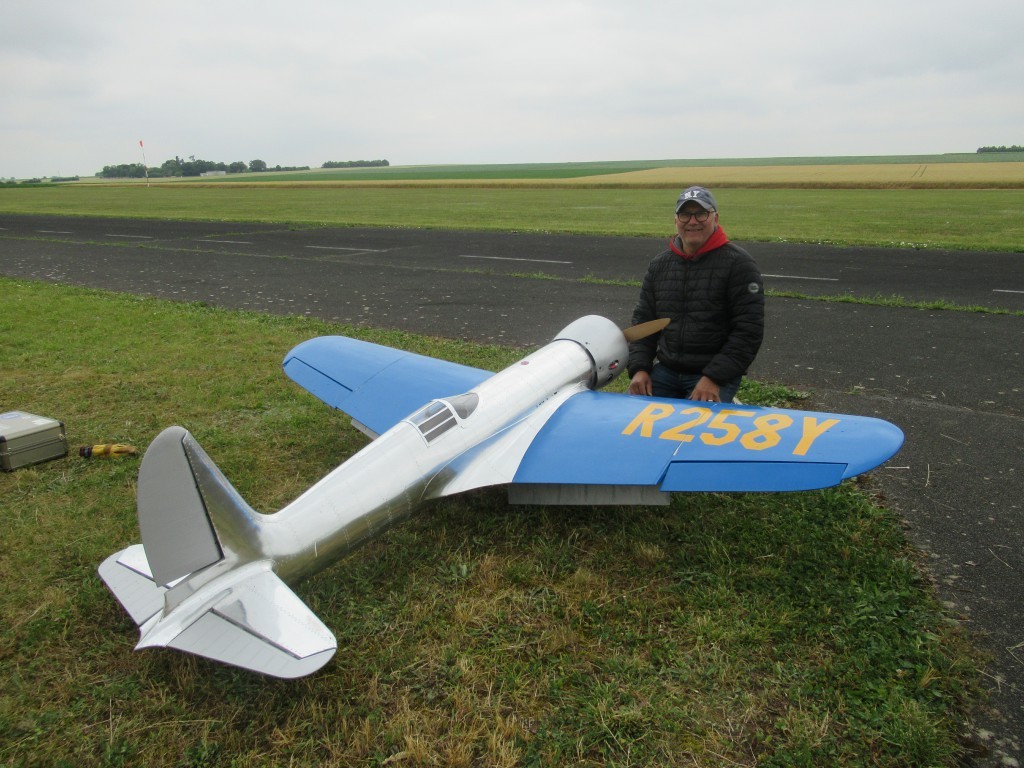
x=667, y=383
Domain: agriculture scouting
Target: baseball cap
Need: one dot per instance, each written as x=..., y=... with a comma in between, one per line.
x=699, y=195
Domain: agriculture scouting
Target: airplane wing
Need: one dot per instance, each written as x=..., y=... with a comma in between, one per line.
x=604, y=438
x=256, y=622
x=377, y=386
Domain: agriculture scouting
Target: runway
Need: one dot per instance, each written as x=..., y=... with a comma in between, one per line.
x=952, y=380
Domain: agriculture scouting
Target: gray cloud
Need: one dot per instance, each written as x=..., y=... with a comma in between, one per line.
x=525, y=81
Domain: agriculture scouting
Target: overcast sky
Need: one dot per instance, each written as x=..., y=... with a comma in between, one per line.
x=471, y=81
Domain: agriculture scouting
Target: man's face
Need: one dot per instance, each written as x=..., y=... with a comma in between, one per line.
x=693, y=232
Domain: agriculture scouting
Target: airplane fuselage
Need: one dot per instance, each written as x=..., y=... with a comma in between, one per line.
x=411, y=463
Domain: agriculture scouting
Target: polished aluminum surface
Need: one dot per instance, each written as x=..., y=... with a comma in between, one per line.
x=211, y=567
x=213, y=576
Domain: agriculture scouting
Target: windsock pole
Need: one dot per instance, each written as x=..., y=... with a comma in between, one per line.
x=145, y=167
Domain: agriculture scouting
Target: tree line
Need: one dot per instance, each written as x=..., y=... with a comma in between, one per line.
x=194, y=167
x=1014, y=148
x=355, y=164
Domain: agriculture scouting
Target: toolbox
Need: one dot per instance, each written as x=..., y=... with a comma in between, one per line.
x=29, y=439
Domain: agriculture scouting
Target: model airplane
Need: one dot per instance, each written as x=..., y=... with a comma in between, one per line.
x=212, y=575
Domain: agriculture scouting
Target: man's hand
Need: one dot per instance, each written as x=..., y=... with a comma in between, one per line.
x=640, y=384
x=705, y=391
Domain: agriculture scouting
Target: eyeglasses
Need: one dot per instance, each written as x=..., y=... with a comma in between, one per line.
x=700, y=216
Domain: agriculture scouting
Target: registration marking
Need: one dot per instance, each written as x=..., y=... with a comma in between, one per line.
x=720, y=428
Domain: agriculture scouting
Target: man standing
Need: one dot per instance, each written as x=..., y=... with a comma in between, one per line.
x=713, y=292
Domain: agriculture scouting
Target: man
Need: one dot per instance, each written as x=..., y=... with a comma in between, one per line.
x=713, y=292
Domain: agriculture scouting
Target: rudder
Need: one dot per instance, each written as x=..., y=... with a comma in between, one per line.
x=177, y=533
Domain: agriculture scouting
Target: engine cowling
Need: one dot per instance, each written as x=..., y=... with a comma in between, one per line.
x=605, y=344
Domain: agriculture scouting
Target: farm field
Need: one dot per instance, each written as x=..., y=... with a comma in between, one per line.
x=890, y=175
x=963, y=201
x=918, y=171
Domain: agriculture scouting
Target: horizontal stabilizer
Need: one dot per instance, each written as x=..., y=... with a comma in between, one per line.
x=247, y=618
x=260, y=624
x=127, y=575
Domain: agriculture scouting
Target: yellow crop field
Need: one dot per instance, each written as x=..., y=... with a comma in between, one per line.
x=876, y=175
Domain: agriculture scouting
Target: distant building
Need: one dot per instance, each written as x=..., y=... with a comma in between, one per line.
x=214, y=173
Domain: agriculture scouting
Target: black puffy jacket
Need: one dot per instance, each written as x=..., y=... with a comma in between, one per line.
x=716, y=303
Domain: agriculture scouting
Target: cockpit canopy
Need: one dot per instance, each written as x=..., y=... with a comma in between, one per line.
x=438, y=416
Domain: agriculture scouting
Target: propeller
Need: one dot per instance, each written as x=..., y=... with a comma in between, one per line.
x=643, y=330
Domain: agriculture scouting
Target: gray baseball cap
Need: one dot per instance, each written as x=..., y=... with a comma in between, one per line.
x=699, y=195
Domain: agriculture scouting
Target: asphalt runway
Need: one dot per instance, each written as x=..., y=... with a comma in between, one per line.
x=952, y=380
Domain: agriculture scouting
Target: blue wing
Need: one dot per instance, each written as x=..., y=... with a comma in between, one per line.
x=602, y=438
x=607, y=439
x=377, y=386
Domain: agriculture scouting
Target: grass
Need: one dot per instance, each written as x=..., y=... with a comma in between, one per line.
x=877, y=300
x=958, y=219
x=897, y=301
x=781, y=630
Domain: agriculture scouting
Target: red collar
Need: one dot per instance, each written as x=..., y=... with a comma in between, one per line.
x=717, y=240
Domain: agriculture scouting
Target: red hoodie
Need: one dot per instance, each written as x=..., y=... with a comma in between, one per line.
x=717, y=240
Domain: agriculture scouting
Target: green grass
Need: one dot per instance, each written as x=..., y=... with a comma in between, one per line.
x=786, y=630
x=479, y=172
x=939, y=218
x=896, y=301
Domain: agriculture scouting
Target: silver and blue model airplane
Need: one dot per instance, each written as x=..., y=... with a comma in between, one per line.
x=213, y=577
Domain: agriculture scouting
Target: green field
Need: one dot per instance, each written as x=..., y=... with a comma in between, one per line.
x=725, y=629
x=582, y=170
x=961, y=201
x=939, y=218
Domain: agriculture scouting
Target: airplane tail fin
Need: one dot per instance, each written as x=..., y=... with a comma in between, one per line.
x=198, y=581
